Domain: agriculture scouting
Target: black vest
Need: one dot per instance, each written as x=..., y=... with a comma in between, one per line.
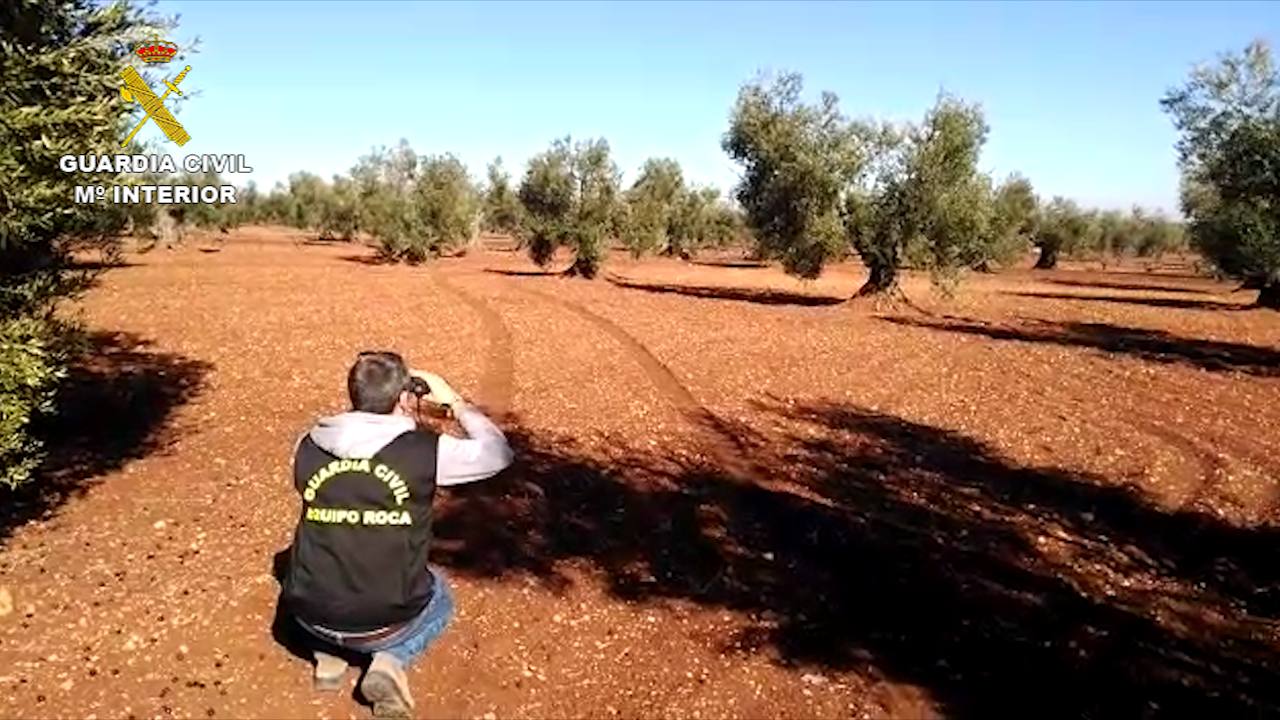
x=359, y=559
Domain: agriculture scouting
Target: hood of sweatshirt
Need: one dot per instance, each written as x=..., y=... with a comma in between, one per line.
x=358, y=435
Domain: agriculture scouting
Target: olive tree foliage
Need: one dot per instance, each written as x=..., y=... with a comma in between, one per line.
x=501, y=209
x=798, y=160
x=663, y=214
x=414, y=207
x=927, y=204
x=570, y=196
x=384, y=182
x=340, y=211
x=305, y=202
x=1115, y=235
x=815, y=183
x=1228, y=117
x=59, y=69
x=1013, y=222
x=948, y=199
x=598, y=195
x=248, y=207
x=206, y=216
x=1136, y=234
x=446, y=206
x=548, y=194
x=276, y=206
x=1063, y=228
x=702, y=219
x=308, y=195
x=650, y=208
x=1155, y=236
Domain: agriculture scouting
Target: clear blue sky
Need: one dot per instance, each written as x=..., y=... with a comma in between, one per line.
x=1070, y=90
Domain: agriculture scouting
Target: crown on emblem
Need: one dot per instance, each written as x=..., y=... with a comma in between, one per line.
x=156, y=51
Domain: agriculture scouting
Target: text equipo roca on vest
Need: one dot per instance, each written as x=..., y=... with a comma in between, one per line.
x=155, y=164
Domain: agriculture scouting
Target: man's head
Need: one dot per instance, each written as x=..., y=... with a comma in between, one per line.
x=377, y=381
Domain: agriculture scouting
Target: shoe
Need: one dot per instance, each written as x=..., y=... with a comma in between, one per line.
x=386, y=686
x=329, y=672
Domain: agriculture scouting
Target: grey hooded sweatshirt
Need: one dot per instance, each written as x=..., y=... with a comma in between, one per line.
x=358, y=435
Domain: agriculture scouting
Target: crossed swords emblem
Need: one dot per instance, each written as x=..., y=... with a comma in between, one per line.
x=135, y=89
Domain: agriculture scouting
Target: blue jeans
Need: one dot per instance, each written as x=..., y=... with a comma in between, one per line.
x=410, y=641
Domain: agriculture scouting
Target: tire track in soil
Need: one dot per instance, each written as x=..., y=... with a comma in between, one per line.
x=1215, y=467
x=1157, y=395
x=1242, y=451
x=497, y=382
x=1209, y=465
x=728, y=447
x=729, y=450
x=1194, y=451
x=1197, y=451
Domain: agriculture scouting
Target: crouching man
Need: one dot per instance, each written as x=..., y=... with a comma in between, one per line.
x=358, y=577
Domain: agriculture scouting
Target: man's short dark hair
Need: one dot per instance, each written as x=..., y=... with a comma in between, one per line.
x=376, y=381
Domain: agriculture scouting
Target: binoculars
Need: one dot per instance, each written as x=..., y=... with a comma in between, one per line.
x=417, y=386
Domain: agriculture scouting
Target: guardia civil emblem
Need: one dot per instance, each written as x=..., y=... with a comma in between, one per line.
x=135, y=89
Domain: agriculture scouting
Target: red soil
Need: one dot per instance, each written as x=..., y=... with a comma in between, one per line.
x=736, y=495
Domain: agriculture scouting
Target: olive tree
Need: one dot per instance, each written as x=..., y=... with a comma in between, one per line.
x=308, y=195
x=597, y=195
x=384, y=184
x=1063, y=228
x=1157, y=235
x=60, y=63
x=798, y=160
x=501, y=208
x=1228, y=115
x=570, y=196
x=547, y=193
x=701, y=219
x=928, y=203
x=445, y=207
x=1115, y=233
x=340, y=213
x=277, y=206
x=1013, y=220
x=651, y=208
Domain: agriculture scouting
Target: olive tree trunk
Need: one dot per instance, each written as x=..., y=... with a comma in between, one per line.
x=1269, y=296
x=1048, y=258
x=883, y=278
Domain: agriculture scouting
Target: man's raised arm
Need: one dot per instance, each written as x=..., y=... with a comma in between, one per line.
x=482, y=454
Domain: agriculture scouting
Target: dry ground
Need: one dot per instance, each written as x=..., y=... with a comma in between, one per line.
x=1053, y=494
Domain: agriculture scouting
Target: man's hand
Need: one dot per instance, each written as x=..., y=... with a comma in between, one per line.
x=441, y=393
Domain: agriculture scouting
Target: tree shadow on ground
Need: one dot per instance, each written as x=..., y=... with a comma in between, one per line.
x=1165, y=271
x=372, y=260
x=525, y=273
x=904, y=551
x=760, y=296
x=1111, y=285
x=114, y=406
x=730, y=263
x=1177, y=303
x=94, y=265
x=1151, y=345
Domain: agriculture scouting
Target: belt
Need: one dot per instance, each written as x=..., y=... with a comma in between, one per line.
x=369, y=636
